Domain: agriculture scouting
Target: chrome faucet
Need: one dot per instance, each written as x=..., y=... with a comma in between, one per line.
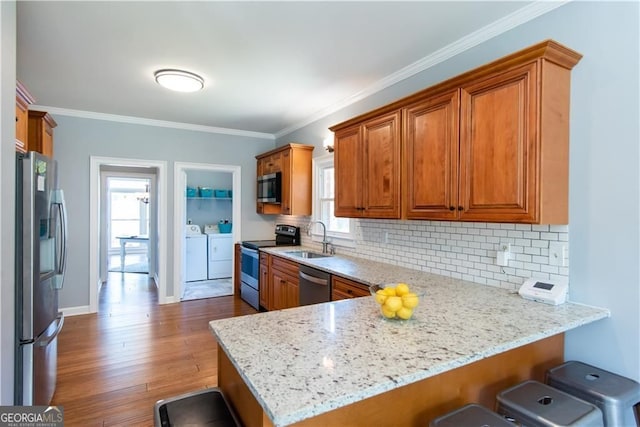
x=325, y=242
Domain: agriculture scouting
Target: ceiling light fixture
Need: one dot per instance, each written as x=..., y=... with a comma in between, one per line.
x=178, y=80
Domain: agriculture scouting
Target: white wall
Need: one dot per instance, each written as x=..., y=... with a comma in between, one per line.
x=604, y=200
x=76, y=139
x=7, y=196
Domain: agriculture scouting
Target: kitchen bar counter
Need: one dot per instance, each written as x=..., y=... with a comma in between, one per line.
x=304, y=363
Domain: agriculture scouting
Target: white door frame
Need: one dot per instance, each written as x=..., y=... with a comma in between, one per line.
x=94, y=227
x=180, y=214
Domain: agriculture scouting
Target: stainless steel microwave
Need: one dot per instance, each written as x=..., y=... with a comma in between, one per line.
x=270, y=188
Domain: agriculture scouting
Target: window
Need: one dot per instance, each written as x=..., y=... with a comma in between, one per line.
x=129, y=209
x=340, y=230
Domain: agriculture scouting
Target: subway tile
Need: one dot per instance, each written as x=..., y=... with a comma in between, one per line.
x=549, y=236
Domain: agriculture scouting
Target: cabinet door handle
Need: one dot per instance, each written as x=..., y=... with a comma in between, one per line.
x=16, y=119
x=460, y=208
x=452, y=208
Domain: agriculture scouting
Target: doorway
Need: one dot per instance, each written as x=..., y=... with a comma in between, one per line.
x=205, y=209
x=128, y=221
x=155, y=172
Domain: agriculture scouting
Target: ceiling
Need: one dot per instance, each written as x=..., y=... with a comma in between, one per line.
x=269, y=67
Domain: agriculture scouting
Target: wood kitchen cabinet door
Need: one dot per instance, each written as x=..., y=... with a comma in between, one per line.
x=285, y=198
x=498, y=147
x=367, y=167
x=284, y=283
x=348, y=172
x=285, y=290
x=381, y=183
x=431, y=145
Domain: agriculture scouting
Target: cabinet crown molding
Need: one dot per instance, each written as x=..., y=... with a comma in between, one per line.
x=294, y=145
x=548, y=50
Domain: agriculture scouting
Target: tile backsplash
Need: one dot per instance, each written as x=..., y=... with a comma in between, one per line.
x=463, y=250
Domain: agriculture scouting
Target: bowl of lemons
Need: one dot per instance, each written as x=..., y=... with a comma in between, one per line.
x=396, y=300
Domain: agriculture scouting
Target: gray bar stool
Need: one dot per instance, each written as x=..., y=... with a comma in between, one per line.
x=471, y=415
x=206, y=407
x=617, y=397
x=534, y=404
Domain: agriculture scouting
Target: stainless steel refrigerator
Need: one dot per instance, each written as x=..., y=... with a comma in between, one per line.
x=41, y=253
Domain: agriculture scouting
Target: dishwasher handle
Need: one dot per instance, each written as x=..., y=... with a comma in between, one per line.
x=314, y=280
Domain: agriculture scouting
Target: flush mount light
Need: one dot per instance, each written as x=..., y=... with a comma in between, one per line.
x=178, y=80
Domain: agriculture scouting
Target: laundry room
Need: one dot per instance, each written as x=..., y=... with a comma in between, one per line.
x=209, y=244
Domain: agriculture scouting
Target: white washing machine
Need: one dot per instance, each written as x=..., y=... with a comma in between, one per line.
x=220, y=255
x=196, y=259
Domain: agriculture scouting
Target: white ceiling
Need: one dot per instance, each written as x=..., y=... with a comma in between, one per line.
x=269, y=67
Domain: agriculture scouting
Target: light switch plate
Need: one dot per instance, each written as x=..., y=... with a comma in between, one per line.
x=558, y=254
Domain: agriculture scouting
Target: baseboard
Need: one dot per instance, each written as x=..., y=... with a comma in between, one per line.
x=75, y=311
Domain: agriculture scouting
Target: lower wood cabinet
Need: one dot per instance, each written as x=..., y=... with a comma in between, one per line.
x=279, y=287
x=342, y=288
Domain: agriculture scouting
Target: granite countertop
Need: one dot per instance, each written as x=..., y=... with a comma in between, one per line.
x=305, y=361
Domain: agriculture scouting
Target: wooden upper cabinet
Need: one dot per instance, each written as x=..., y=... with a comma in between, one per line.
x=293, y=161
x=23, y=100
x=499, y=150
x=489, y=145
x=367, y=167
x=40, y=138
x=431, y=145
x=347, y=158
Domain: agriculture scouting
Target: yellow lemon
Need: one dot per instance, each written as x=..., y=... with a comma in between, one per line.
x=404, y=313
x=402, y=289
x=389, y=314
x=380, y=297
x=393, y=303
x=410, y=300
x=390, y=291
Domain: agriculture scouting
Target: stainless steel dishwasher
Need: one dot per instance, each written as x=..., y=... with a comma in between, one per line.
x=315, y=285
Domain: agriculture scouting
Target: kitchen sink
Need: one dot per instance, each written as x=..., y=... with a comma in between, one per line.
x=307, y=254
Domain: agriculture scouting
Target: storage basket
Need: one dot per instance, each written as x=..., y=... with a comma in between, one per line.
x=224, y=227
x=192, y=192
x=205, y=192
x=220, y=193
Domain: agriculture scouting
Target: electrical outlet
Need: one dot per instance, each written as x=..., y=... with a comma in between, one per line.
x=503, y=254
x=558, y=254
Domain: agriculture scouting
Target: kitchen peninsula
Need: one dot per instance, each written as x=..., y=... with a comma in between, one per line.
x=341, y=363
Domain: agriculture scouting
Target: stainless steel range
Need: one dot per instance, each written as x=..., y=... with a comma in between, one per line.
x=286, y=235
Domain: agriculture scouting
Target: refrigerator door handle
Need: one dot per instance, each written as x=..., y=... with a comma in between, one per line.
x=54, y=335
x=58, y=201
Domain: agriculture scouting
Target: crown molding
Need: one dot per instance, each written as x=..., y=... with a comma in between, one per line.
x=519, y=17
x=149, y=122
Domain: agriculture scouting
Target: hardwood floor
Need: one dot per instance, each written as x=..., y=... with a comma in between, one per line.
x=114, y=365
